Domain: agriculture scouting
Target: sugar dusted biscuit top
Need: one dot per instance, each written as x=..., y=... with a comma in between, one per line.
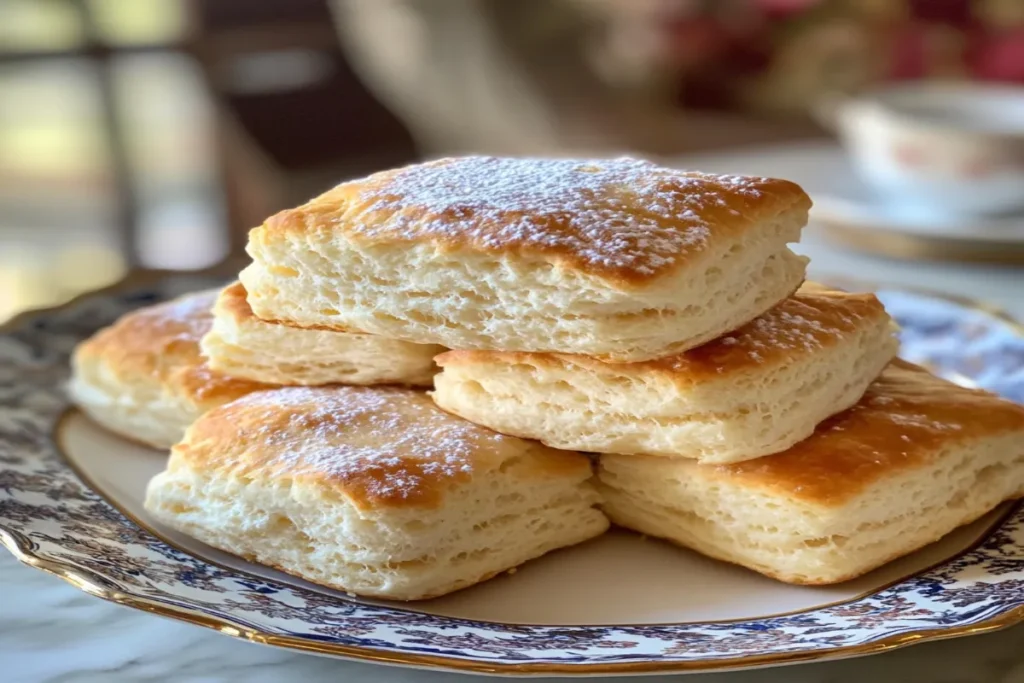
x=620, y=259
x=907, y=418
x=752, y=392
x=916, y=458
x=145, y=336
x=621, y=220
x=799, y=326
x=161, y=343
x=374, y=491
x=377, y=447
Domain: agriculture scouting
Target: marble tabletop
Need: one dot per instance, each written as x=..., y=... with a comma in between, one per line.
x=51, y=632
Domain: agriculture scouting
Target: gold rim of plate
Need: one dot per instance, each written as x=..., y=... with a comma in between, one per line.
x=23, y=552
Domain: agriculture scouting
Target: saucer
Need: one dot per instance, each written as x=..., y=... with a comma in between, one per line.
x=849, y=212
x=841, y=196
x=853, y=214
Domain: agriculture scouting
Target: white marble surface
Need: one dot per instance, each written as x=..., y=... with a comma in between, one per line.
x=50, y=632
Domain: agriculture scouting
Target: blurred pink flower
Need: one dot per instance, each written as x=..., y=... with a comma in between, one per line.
x=956, y=12
x=696, y=40
x=999, y=56
x=777, y=8
x=908, y=52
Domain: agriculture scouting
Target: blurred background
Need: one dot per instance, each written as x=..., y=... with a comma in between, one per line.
x=156, y=132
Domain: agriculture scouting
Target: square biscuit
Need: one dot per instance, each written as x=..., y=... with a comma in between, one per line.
x=242, y=345
x=755, y=391
x=619, y=258
x=916, y=458
x=145, y=378
x=372, y=490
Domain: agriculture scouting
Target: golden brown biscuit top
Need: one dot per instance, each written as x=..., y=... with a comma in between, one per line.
x=799, y=326
x=380, y=447
x=907, y=418
x=162, y=341
x=808, y=321
x=619, y=219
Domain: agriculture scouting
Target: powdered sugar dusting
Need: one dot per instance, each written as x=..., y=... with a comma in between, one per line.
x=624, y=216
x=793, y=325
x=379, y=444
x=907, y=420
x=156, y=330
x=804, y=323
x=162, y=342
x=186, y=318
x=923, y=421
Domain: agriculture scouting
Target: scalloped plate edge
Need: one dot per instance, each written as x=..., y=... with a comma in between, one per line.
x=24, y=550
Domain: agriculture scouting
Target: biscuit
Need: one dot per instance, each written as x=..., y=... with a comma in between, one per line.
x=242, y=345
x=374, y=491
x=620, y=259
x=916, y=458
x=756, y=391
x=144, y=377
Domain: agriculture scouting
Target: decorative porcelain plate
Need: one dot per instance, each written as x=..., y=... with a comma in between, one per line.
x=70, y=504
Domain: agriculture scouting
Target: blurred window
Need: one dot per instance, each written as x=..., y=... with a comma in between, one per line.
x=39, y=25
x=105, y=147
x=167, y=122
x=138, y=22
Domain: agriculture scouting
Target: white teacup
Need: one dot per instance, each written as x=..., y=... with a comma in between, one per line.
x=947, y=147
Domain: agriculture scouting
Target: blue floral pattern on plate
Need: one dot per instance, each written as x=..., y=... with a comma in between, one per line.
x=50, y=519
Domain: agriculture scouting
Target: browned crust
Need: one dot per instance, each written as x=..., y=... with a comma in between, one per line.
x=233, y=303
x=161, y=343
x=811, y=319
x=569, y=212
x=379, y=447
x=905, y=421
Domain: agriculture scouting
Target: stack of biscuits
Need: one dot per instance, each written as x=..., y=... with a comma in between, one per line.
x=608, y=341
